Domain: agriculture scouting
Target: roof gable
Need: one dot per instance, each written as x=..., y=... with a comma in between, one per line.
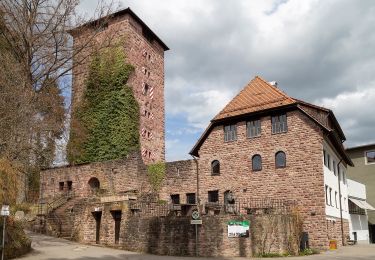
x=256, y=96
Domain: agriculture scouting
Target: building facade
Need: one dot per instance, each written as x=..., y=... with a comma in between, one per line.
x=145, y=52
x=265, y=144
x=364, y=172
x=358, y=208
x=264, y=153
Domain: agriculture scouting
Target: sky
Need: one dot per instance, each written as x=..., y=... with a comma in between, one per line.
x=320, y=51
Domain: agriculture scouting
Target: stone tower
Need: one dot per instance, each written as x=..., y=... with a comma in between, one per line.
x=145, y=51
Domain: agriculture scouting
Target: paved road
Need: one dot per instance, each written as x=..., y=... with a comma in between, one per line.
x=49, y=248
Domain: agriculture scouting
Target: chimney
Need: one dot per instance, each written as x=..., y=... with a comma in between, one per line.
x=273, y=83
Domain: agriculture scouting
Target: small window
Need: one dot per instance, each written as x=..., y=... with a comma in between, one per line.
x=256, y=162
x=175, y=198
x=337, y=206
x=325, y=157
x=230, y=133
x=70, y=185
x=280, y=159
x=61, y=185
x=215, y=167
x=213, y=196
x=330, y=196
x=329, y=161
x=279, y=124
x=253, y=128
x=370, y=157
x=327, y=195
x=146, y=88
x=190, y=198
x=334, y=165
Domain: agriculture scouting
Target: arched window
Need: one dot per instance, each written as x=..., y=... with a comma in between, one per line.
x=280, y=159
x=94, y=184
x=256, y=162
x=215, y=167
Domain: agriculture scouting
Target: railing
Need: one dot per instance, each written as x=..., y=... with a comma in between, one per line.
x=241, y=206
x=46, y=208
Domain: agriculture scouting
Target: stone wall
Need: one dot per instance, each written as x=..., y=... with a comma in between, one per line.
x=174, y=235
x=301, y=179
x=147, y=57
x=116, y=177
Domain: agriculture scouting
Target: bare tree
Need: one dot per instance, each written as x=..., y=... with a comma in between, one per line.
x=36, y=54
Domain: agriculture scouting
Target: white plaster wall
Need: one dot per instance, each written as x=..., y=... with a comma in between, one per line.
x=359, y=224
x=331, y=180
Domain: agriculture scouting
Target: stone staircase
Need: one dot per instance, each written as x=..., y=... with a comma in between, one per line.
x=60, y=220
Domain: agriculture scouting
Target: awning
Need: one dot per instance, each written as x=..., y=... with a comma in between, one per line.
x=362, y=204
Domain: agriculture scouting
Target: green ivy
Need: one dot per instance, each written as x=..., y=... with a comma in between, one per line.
x=106, y=124
x=156, y=174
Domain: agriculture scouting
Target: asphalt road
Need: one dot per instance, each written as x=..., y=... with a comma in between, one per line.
x=50, y=248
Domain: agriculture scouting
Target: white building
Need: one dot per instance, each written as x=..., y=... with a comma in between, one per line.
x=358, y=222
x=335, y=185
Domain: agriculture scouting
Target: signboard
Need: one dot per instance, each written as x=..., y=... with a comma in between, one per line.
x=238, y=228
x=196, y=222
x=5, y=210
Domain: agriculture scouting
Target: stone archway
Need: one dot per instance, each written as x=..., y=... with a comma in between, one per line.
x=94, y=184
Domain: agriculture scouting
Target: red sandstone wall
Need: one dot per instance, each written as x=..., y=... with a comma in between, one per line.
x=135, y=46
x=302, y=179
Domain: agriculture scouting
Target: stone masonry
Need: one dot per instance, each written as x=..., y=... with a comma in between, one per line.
x=146, y=53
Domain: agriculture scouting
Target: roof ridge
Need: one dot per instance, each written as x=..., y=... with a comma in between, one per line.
x=275, y=88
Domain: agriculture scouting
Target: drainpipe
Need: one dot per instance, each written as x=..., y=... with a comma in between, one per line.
x=342, y=224
x=197, y=175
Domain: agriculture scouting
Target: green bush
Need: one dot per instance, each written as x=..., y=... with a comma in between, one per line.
x=17, y=243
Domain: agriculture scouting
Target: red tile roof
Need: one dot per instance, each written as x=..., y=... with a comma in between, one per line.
x=256, y=96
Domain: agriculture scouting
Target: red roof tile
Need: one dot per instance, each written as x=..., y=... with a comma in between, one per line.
x=256, y=96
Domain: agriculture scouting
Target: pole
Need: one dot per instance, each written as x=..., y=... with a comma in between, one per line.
x=196, y=240
x=341, y=220
x=3, y=242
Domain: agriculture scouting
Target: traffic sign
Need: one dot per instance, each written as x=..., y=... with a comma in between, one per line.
x=5, y=210
x=195, y=214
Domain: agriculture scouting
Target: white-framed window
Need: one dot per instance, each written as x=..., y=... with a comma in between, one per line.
x=253, y=128
x=334, y=167
x=370, y=157
x=326, y=191
x=330, y=196
x=337, y=206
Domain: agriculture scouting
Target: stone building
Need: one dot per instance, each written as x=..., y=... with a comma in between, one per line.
x=145, y=51
x=265, y=153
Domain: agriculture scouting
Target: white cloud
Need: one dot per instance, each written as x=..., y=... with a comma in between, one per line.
x=355, y=111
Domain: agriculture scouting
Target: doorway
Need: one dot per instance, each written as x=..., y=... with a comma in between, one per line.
x=117, y=218
x=98, y=217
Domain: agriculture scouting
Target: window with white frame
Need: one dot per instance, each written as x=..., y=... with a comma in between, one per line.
x=334, y=165
x=370, y=157
x=326, y=189
x=337, y=206
x=253, y=128
x=330, y=196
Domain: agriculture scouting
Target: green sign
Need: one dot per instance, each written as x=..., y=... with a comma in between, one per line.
x=238, y=228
